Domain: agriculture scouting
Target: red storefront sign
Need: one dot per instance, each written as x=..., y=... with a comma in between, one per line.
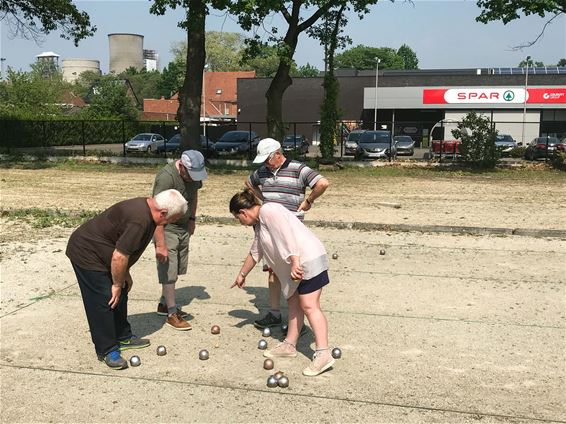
x=493, y=95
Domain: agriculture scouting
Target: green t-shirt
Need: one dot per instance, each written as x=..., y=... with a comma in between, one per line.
x=169, y=178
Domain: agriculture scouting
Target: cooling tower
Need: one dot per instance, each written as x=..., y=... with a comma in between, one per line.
x=72, y=68
x=126, y=50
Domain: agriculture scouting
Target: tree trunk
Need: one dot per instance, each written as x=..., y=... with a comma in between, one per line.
x=190, y=95
x=329, y=110
x=280, y=82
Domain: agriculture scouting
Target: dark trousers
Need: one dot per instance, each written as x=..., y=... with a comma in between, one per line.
x=107, y=325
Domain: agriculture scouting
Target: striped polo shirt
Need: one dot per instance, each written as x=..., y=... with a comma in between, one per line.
x=286, y=185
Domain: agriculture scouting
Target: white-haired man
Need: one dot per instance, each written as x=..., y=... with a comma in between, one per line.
x=102, y=251
x=283, y=181
x=172, y=241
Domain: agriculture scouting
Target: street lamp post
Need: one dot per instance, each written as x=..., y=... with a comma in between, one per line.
x=525, y=99
x=204, y=101
x=2, y=60
x=376, y=79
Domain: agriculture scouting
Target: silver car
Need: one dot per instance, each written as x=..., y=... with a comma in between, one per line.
x=145, y=142
x=505, y=143
x=351, y=143
x=405, y=145
x=375, y=145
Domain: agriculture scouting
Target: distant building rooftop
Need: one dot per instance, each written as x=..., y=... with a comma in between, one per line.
x=544, y=70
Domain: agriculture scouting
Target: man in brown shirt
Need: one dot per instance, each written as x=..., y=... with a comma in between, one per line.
x=102, y=250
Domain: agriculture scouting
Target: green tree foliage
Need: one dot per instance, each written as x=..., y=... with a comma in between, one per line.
x=307, y=70
x=478, y=136
x=329, y=33
x=172, y=78
x=34, y=18
x=264, y=61
x=226, y=52
x=409, y=57
x=363, y=57
x=509, y=10
x=531, y=63
x=561, y=62
x=146, y=84
x=223, y=51
x=84, y=83
x=109, y=99
x=190, y=94
x=253, y=14
x=29, y=95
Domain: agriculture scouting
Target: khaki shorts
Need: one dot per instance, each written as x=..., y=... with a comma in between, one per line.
x=178, y=253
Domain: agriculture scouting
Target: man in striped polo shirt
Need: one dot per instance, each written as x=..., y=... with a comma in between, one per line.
x=283, y=181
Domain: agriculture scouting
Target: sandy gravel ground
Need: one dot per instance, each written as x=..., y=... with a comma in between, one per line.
x=443, y=328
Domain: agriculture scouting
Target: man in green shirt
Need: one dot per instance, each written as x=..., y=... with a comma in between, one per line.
x=172, y=240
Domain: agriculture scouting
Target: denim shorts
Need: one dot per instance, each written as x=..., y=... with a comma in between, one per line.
x=313, y=284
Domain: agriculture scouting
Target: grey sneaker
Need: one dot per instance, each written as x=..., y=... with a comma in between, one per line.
x=133, y=343
x=282, y=350
x=269, y=320
x=321, y=361
x=114, y=360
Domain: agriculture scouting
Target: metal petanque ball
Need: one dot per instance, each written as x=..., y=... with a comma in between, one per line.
x=268, y=364
x=215, y=329
x=203, y=355
x=336, y=353
x=382, y=252
x=284, y=327
x=161, y=350
x=262, y=344
x=335, y=256
x=135, y=361
x=278, y=375
x=266, y=332
x=271, y=381
x=283, y=381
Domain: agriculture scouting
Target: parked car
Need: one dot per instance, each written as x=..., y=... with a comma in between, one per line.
x=505, y=143
x=376, y=144
x=351, y=142
x=405, y=145
x=234, y=142
x=145, y=142
x=174, y=144
x=542, y=147
x=295, y=143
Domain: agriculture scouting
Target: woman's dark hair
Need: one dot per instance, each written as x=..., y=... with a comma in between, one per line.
x=244, y=199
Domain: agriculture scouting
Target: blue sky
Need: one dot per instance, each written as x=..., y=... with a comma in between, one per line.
x=444, y=34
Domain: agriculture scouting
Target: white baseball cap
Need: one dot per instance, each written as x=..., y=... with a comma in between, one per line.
x=266, y=147
x=193, y=161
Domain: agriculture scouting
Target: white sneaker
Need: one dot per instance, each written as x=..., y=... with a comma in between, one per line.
x=321, y=361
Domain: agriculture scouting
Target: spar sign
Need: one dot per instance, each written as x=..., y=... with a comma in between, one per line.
x=493, y=95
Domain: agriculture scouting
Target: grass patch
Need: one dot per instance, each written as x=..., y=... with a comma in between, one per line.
x=44, y=218
x=537, y=171
x=544, y=173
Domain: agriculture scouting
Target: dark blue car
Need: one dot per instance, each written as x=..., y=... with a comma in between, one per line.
x=174, y=144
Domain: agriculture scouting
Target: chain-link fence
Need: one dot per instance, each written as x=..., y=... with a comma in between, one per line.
x=418, y=140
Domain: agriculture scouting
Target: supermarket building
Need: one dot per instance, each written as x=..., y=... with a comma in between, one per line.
x=524, y=103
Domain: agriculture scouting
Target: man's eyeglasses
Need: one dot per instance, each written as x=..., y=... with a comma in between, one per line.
x=271, y=156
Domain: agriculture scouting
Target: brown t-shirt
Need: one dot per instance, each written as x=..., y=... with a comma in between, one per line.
x=127, y=226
